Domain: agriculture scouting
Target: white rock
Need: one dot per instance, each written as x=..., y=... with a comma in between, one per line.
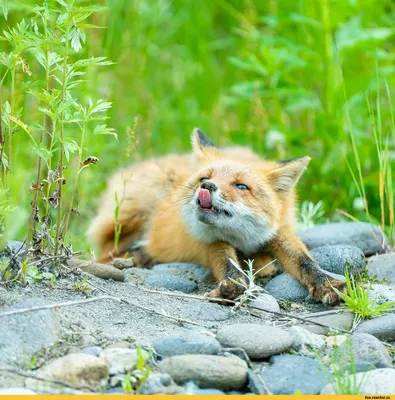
x=266, y=302
x=377, y=381
x=75, y=369
x=121, y=360
x=336, y=340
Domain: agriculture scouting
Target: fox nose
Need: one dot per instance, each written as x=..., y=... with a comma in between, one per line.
x=210, y=186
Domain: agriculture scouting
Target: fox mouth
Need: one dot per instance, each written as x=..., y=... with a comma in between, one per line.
x=204, y=201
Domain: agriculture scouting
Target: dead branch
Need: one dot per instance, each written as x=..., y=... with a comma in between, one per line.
x=151, y=310
x=278, y=314
x=48, y=380
x=50, y=306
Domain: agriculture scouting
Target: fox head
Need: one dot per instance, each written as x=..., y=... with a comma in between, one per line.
x=235, y=196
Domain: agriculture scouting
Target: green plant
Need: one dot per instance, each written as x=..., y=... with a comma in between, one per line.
x=81, y=285
x=251, y=289
x=310, y=214
x=54, y=31
x=358, y=301
x=133, y=381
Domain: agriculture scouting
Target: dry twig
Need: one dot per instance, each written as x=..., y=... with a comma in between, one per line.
x=49, y=306
x=278, y=314
x=151, y=310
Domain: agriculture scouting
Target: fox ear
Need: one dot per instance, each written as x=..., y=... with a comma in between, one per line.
x=202, y=146
x=285, y=176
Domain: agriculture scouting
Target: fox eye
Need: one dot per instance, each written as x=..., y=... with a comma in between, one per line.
x=204, y=179
x=241, y=186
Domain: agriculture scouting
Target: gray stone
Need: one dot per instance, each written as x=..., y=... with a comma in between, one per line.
x=258, y=341
x=362, y=347
x=121, y=360
x=18, y=390
x=288, y=374
x=382, y=293
x=197, y=272
x=286, y=287
x=266, y=302
x=361, y=234
x=92, y=350
x=378, y=381
x=206, y=371
x=170, y=282
x=382, y=266
x=359, y=366
x=382, y=328
x=167, y=346
x=336, y=259
x=22, y=335
x=342, y=320
x=305, y=342
x=158, y=383
x=75, y=369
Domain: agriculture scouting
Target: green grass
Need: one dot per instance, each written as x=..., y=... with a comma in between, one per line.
x=320, y=73
x=358, y=301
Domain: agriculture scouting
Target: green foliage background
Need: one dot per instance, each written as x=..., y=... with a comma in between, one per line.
x=317, y=71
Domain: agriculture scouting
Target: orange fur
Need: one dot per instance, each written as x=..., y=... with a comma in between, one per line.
x=161, y=206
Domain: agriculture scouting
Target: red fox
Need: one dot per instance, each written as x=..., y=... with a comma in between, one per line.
x=209, y=207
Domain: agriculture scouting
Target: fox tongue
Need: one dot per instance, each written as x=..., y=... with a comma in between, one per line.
x=205, y=198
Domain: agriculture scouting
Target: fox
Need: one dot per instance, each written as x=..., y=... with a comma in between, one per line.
x=215, y=207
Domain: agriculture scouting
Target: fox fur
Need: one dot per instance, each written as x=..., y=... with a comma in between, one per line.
x=208, y=207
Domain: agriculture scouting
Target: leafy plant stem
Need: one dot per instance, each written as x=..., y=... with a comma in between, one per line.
x=61, y=129
x=74, y=194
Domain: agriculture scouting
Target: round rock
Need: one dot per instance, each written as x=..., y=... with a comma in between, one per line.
x=382, y=266
x=382, y=328
x=258, y=341
x=342, y=320
x=167, y=346
x=362, y=347
x=378, y=381
x=360, y=234
x=266, y=302
x=288, y=374
x=76, y=369
x=170, y=282
x=285, y=287
x=206, y=371
x=336, y=259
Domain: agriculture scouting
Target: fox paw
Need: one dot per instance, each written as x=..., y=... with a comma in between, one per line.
x=227, y=290
x=324, y=292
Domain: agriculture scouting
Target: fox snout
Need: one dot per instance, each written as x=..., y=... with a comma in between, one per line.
x=210, y=186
